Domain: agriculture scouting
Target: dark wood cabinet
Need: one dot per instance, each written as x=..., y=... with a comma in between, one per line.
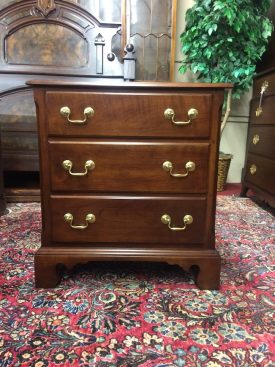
x=128, y=173
x=2, y=193
x=259, y=170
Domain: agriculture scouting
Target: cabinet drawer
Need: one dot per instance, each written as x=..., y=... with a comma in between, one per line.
x=260, y=81
x=129, y=166
x=261, y=172
x=267, y=116
x=261, y=140
x=121, y=114
x=127, y=219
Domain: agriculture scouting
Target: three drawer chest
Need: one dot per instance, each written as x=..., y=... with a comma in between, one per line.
x=128, y=173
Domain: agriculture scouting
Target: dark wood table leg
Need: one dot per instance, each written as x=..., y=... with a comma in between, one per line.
x=2, y=194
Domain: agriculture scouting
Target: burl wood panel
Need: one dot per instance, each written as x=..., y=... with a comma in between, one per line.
x=47, y=44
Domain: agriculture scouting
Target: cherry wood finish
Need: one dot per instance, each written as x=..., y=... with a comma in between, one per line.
x=51, y=262
x=128, y=191
x=128, y=114
x=120, y=218
x=124, y=166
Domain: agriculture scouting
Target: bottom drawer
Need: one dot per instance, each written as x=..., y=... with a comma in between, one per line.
x=128, y=219
x=261, y=172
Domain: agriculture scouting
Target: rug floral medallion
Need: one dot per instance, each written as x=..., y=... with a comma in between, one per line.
x=141, y=314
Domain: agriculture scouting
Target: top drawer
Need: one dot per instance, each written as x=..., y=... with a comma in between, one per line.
x=119, y=114
x=267, y=82
x=266, y=116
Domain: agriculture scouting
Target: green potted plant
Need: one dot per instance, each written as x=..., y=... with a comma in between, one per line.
x=223, y=41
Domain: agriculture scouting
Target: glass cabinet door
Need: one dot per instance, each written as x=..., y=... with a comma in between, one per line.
x=149, y=29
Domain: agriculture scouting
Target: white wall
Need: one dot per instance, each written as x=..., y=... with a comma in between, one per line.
x=234, y=136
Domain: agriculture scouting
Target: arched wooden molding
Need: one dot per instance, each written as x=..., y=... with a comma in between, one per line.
x=46, y=6
x=21, y=22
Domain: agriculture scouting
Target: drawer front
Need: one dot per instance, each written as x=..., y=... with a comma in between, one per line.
x=261, y=140
x=261, y=172
x=129, y=114
x=128, y=219
x=267, y=116
x=129, y=166
x=262, y=81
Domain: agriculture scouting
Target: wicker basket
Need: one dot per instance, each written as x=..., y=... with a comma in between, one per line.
x=223, y=167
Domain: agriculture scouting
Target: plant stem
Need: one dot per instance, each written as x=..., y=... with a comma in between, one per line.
x=228, y=109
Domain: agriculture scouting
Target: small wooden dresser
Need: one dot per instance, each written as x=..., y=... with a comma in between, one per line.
x=128, y=173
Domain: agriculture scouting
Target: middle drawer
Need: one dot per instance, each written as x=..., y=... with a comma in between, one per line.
x=110, y=166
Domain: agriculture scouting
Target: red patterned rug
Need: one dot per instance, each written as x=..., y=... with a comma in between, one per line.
x=146, y=315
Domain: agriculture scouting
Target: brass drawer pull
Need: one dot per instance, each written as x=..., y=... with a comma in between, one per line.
x=169, y=114
x=66, y=111
x=168, y=167
x=253, y=169
x=264, y=88
x=256, y=139
x=68, y=217
x=187, y=220
x=68, y=165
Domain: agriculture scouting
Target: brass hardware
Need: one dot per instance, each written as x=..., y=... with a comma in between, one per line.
x=264, y=88
x=66, y=111
x=253, y=169
x=168, y=167
x=187, y=220
x=259, y=111
x=256, y=139
x=68, y=165
x=169, y=114
x=90, y=218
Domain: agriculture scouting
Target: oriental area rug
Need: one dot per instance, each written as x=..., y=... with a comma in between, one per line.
x=141, y=314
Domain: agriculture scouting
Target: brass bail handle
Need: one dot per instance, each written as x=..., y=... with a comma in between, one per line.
x=264, y=88
x=256, y=139
x=169, y=114
x=68, y=165
x=189, y=167
x=68, y=218
x=66, y=112
x=187, y=220
x=253, y=169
